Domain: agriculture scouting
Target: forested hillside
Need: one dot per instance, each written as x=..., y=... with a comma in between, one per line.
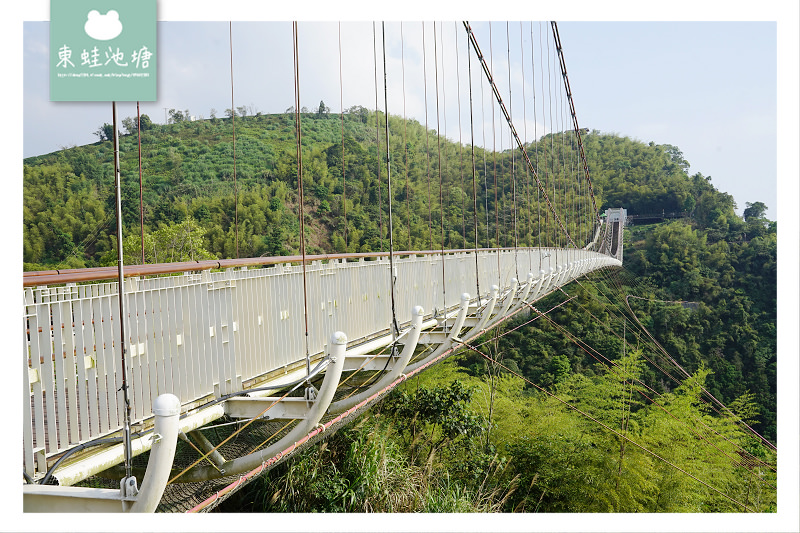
x=650, y=352
x=188, y=172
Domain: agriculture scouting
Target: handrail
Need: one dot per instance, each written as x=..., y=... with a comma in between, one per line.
x=183, y=336
x=75, y=275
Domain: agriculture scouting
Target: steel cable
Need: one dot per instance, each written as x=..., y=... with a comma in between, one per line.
x=612, y=430
x=427, y=135
x=392, y=279
x=613, y=365
x=341, y=105
x=377, y=136
x=301, y=206
x=474, y=186
x=233, y=126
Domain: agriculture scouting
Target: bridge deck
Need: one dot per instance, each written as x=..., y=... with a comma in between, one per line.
x=204, y=335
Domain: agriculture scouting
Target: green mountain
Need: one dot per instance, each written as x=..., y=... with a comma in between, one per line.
x=188, y=171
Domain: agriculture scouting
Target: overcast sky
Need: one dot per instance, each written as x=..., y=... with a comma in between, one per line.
x=709, y=88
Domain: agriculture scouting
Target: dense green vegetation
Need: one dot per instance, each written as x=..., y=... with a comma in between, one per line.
x=188, y=171
x=689, y=323
x=428, y=448
x=725, y=324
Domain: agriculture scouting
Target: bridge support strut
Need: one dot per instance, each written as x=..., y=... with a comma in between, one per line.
x=58, y=499
x=333, y=373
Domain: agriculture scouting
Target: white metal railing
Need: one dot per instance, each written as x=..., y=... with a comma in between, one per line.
x=202, y=335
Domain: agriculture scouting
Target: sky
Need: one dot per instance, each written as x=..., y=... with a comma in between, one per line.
x=709, y=88
x=719, y=80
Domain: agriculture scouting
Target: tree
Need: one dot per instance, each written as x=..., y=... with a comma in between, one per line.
x=754, y=210
x=323, y=109
x=431, y=419
x=176, y=116
x=676, y=156
x=359, y=111
x=559, y=367
x=131, y=126
x=173, y=242
x=689, y=203
x=105, y=132
x=129, y=123
x=145, y=123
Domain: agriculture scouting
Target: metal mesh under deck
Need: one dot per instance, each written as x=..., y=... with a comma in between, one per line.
x=181, y=497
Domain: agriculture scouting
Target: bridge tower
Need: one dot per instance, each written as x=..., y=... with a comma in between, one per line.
x=612, y=238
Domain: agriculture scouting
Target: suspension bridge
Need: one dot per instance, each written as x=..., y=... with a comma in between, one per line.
x=174, y=384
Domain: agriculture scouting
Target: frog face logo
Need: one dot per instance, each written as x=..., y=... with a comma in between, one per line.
x=103, y=27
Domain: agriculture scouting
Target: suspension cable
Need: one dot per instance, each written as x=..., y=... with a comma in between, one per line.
x=552, y=158
x=126, y=430
x=460, y=142
x=442, y=133
x=513, y=170
x=427, y=136
x=529, y=232
x=341, y=106
x=389, y=184
x=608, y=428
x=141, y=191
x=405, y=131
x=439, y=150
x=536, y=140
x=612, y=365
x=506, y=239
x=490, y=79
x=233, y=127
x=494, y=157
x=557, y=39
x=474, y=187
x=562, y=161
x=485, y=168
x=377, y=135
x=301, y=209
x=548, y=241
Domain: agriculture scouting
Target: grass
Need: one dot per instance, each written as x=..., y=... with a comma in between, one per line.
x=365, y=469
